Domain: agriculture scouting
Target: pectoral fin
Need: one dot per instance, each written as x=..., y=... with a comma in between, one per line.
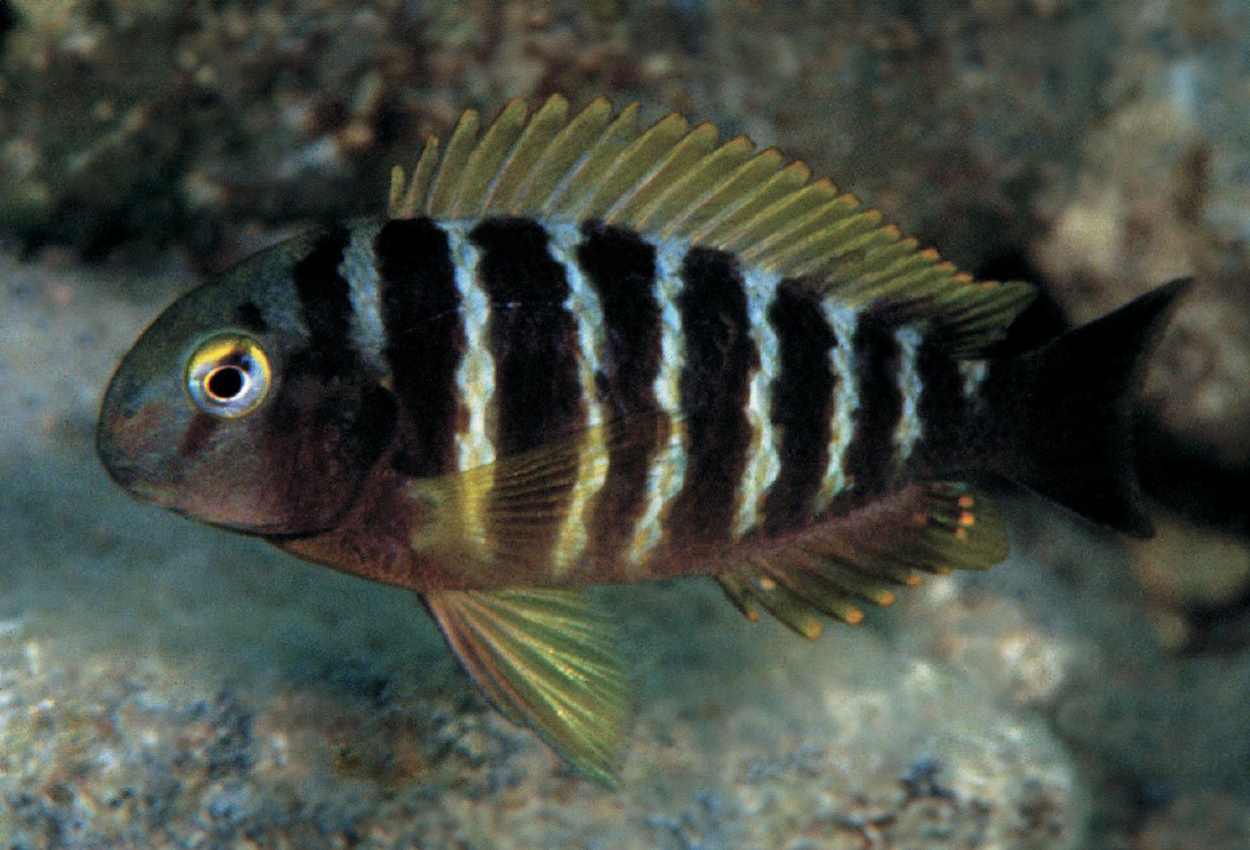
x=523, y=519
x=547, y=659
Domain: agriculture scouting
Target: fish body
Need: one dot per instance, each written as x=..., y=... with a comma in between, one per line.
x=575, y=353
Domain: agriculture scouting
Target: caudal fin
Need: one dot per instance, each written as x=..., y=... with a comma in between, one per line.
x=1064, y=412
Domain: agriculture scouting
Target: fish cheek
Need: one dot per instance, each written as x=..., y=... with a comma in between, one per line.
x=321, y=440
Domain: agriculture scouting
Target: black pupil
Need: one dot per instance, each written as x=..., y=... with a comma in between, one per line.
x=225, y=383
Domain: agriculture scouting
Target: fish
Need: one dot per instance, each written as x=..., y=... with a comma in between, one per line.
x=579, y=350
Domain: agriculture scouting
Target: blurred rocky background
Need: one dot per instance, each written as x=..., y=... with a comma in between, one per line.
x=165, y=685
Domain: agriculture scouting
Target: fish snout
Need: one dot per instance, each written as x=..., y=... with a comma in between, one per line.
x=134, y=442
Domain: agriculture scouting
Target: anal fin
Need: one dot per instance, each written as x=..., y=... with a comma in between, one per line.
x=863, y=556
x=547, y=659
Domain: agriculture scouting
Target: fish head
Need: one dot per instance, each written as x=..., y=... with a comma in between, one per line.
x=226, y=411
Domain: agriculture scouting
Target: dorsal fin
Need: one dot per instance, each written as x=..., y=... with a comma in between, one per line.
x=673, y=182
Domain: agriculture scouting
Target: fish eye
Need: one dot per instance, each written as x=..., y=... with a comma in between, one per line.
x=228, y=375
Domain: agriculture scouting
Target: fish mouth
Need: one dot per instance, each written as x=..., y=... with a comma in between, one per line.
x=119, y=468
x=123, y=474
x=131, y=478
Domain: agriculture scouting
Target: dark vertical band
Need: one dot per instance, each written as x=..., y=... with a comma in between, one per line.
x=942, y=408
x=424, y=340
x=326, y=424
x=250, y=318
x=532, y=337
x=870, y=455
x=802, y=406
x=620, y=267
x=719, y=357
x=325, y=303
x=533, y=341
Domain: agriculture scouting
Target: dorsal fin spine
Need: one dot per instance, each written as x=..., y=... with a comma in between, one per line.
x=756, y=166
x=519, y=158
x=799, y=218
x=535, y=138
x=689, y=190
x=812, y=245
x=677, y=185
x=406, y=202
x=695, y=145
x=724, y=226
x=780, y=218
x=885, y=260
x=567, y=194
x=856, y=233
x=623, y=178
x=484, y=164
x=561, y=153
x=463, y=137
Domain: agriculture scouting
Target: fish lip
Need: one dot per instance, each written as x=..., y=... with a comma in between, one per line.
x=129, y=473
x=129, y=477
x=121, y=470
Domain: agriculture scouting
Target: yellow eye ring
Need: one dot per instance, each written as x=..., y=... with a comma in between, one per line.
x=228, y=375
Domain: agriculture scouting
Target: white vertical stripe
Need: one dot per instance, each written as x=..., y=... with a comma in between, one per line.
x=763, y=456
x=592, y=461
x=668, y=287
x=359, y=268
x=843, y=321
x=668, y=464
x=909, y=429
x=583, y=304
x=973, y=373
x=475, y=376
x=664, y=481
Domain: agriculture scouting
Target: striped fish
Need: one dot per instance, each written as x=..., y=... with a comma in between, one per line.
x=577, y=351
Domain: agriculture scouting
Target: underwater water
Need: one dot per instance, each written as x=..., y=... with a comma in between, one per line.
x=165, y=684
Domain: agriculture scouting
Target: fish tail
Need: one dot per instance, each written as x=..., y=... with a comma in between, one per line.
x=1063, y=415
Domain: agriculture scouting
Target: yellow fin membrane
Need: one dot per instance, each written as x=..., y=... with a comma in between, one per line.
x=672, y=181
x=861, y=557
x=547, y=659
x=498, y=517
